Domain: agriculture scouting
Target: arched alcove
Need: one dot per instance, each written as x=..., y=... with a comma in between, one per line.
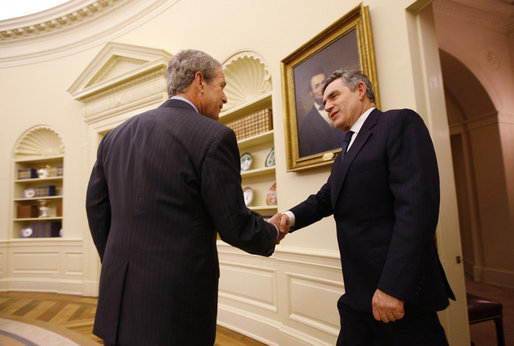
x=479, y=170
x=466, y=89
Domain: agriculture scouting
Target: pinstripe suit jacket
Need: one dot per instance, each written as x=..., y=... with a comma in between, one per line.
x=384, y=196
x=164, y=183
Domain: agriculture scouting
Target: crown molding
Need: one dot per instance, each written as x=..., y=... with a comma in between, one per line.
x=72, y=27
x=494, y=15
x=55, y=19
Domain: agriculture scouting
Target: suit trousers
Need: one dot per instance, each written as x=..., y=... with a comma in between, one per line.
x=420, y=328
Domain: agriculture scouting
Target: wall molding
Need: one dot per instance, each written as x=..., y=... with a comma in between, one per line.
x=55, y=19
x=479, y=122
x=119, y=82
x=492, y=15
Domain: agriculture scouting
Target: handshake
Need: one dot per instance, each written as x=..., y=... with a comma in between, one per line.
x=281, y=221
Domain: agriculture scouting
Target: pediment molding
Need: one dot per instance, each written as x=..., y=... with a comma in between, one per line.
x=120, y=80
x=118, y=66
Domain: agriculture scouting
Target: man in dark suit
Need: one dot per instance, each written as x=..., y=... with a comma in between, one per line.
x=316, y=133
x=384, y=194
x=164, y=183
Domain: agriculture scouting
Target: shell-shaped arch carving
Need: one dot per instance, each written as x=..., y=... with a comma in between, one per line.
x=247, y=78
x=39, y=141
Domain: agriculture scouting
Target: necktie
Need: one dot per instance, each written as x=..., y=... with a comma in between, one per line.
x=346, y=142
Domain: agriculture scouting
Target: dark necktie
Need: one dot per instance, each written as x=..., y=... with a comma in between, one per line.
x=346, y=143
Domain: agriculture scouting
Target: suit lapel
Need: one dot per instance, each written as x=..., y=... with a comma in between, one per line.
x=340, y=167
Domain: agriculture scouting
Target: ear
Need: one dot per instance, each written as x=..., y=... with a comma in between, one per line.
x=361, y=87
x=199, y=80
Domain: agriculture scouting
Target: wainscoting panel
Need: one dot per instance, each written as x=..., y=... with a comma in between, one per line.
x=29, y=263
x=311, y=302
x=47, y=264
x=249, y=284
x=289, y=298
x=72, y=264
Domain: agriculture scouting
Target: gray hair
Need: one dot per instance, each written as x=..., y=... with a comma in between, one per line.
x=183, y=66
x=351, y=79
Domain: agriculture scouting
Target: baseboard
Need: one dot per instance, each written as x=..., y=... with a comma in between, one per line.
x=4, y=285
x=504, y=278
x=73, y=287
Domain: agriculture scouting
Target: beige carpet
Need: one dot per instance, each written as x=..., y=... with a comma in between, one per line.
x=23, y=331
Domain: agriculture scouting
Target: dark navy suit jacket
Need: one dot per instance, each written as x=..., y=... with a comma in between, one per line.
x=384, y=196
x=164, y=183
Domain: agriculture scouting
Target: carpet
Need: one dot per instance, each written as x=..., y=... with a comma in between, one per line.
x=15, y=332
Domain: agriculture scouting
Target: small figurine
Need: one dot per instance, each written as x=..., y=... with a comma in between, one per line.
x=42, y=172
x=43, y=208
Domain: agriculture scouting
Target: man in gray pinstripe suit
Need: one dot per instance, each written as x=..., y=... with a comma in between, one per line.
x=164, y=183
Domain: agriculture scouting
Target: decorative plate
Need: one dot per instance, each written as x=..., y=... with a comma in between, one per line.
x=248, y=194
x=270, y=159
x=26, y=232
x=246, y=161
x=271, y=197
x=29, y=193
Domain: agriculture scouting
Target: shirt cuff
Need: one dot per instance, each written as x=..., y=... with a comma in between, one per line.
x=291, y=218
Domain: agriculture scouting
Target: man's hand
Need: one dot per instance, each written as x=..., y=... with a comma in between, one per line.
x=386, y=308
x=282, y=222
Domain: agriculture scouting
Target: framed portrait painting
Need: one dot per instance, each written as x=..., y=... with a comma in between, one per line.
x=311, y=139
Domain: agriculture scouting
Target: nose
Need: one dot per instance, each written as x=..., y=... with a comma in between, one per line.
x=224, y=98
x=328, y=106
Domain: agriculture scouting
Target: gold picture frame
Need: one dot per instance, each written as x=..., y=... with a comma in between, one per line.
x=345, y=44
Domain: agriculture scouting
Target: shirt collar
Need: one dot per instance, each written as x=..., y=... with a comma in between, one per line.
x=323, y=114
x=358, y=124
x=185, y=100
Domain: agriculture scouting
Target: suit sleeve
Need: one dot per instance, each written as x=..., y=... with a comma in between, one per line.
x=98, y=207
x=414, y=182
x=223, y=198
x=314, y=208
